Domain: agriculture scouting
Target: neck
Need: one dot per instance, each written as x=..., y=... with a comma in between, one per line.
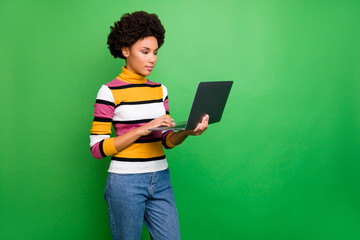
x=131, y=77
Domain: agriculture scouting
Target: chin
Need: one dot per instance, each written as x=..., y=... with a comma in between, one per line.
x=142, y=73
x=147, y=73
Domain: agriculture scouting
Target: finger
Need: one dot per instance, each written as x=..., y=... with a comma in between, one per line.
x=168, y=123
x=160, y=123
x=170, y=120
x=203, y=126
x=200, y=128
x=197, y=129
x=206, y=119
x=205, y=123
x=166, y=120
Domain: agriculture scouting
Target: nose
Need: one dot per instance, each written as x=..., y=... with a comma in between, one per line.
x=152, y=58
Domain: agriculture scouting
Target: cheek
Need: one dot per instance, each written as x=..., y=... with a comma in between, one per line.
x=137, y=57
x=138, y=61
x=141, y=58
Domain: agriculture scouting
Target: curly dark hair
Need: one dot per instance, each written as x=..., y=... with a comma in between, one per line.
x=133, y=27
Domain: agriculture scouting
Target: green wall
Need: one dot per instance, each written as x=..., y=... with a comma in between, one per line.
x=284, y=162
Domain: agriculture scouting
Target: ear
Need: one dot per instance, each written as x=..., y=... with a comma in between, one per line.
x=125, y=51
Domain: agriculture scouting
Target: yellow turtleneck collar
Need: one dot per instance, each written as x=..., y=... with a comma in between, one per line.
x=130, y=77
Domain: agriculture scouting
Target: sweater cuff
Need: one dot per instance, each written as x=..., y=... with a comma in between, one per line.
x=109, y=147
x=167, y=140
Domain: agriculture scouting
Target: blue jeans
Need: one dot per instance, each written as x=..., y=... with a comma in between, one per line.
x=143, y=197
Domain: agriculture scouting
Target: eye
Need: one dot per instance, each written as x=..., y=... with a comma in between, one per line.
x=156, y=53
x=144, y=52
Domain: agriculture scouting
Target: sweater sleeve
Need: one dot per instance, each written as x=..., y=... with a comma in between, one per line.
x=101, y=144
x=166, y=134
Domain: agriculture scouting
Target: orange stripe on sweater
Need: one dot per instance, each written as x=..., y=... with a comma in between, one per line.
x=142, y=150
x=137, y=94
x=101, y=127
x=109, y=147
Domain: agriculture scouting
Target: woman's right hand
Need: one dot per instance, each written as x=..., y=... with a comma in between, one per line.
x=157, y=122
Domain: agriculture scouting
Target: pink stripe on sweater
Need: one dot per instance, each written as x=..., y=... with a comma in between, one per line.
x=121, y=128
x=103, y=111
x=116, y=82
x=154, y=134
x=124, y=128
x=95, y=151
x=151, y=83
x=166, y=105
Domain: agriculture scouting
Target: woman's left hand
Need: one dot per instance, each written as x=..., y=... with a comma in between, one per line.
x=178, y=137
x=201, y=127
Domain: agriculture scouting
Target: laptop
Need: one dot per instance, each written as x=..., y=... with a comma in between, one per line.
x=210, y=98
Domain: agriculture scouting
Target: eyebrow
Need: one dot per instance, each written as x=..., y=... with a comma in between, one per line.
x=150, y=49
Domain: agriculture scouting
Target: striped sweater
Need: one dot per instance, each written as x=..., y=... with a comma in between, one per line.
x=128, y=102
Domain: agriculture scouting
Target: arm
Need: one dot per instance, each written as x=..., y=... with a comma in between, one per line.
x=123, y=141
x=101, y=145
x=111, y=146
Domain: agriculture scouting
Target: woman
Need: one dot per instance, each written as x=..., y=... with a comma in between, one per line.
x=138, y=187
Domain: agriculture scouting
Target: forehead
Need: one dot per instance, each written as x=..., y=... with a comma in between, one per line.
x=148, y=42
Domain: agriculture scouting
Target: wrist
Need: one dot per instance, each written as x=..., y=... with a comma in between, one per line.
x=184, y=133
x=140, y=131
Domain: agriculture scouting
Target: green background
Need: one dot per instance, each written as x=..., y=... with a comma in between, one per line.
x=282, y=164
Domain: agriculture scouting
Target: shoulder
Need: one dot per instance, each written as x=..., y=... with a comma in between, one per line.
x=115, y=83
x=106, y=89
x=105, y=92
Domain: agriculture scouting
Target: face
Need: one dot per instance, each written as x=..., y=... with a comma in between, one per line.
x=141, y=56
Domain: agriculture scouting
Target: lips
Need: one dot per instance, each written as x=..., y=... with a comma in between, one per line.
x=149, y=68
